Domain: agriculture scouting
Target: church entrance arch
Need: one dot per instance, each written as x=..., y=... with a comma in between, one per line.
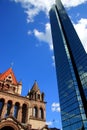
x=9, y=125
x=7, y=128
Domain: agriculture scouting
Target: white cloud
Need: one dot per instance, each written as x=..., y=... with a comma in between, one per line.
x=53, y=59
x=45, y=36
x=49, y=123
x=31, y=13
x=81, y=28
x=55, y=107
x=29, y=32
x=72, y=3
x=33, y=7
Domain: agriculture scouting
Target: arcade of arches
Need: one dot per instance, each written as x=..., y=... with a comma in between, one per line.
x=25, y=112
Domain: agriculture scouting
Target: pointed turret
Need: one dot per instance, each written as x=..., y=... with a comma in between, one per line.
x=35, y=87
x=35, y=94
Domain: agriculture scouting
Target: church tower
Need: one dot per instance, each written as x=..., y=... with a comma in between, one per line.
x=20, y=112
x=37, y=111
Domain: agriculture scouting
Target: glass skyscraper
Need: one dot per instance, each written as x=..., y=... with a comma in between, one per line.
x=71, y=68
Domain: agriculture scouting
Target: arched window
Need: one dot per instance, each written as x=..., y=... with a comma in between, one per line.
x=16, y=109
x=38, y=96
x=1, y=105
x=41, y=113
x=9, y=105
x=24, y=113
x=35, y=112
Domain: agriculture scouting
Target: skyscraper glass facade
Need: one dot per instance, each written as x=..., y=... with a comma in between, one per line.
x=71, y=68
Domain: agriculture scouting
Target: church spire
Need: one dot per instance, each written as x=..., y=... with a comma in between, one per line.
x=35, y=94
x=35, y=87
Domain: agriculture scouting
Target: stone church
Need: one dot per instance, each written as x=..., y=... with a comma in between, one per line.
x=20, y=112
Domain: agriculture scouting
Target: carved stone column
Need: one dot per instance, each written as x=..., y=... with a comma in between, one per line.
x=12, y=110
x=19, y=117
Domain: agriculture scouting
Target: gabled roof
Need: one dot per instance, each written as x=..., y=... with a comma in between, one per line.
x=7, y=73
x=35, y=87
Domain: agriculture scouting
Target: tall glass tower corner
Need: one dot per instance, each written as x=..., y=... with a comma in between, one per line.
x=71, y=69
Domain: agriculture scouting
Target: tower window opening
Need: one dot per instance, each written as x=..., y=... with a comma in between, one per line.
x=24, y=113
x=35, y=112
x=38, y=96
x=41, y=114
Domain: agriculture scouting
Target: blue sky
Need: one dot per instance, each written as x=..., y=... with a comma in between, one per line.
x=26, y=45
